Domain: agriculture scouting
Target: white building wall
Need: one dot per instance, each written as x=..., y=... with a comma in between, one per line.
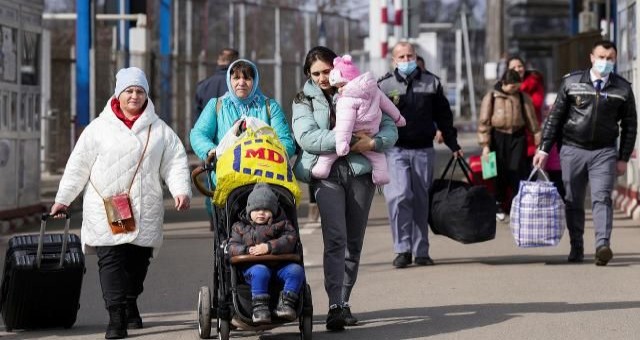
x=628, y=66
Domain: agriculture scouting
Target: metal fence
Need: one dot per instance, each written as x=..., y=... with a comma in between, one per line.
x=275, y=37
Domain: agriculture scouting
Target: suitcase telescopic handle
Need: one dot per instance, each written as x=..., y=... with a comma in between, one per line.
x=43, y=225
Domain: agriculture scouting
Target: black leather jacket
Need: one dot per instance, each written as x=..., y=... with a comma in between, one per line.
x=586, y=119
x=421, y=101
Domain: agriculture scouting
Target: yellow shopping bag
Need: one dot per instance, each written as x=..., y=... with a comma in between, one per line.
x=257, y=156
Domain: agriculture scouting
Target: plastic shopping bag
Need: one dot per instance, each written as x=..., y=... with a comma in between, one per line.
x=537, y=213
x=489, y=166
x=256, y=156
x=236, y=132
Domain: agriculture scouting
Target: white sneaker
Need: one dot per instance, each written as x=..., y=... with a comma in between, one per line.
x=501, y=216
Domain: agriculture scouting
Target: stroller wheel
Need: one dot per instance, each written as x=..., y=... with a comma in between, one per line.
x=204, y=313
x=223, y=329
x=306, y=327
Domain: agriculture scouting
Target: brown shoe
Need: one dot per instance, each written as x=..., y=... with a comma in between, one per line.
x=603, y=255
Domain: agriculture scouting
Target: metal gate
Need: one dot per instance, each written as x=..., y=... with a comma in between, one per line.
x=20, y=31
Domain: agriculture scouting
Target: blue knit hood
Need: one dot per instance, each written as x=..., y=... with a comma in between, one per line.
x=255, y=98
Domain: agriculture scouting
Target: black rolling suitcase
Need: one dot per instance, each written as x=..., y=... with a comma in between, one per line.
x=42, y=279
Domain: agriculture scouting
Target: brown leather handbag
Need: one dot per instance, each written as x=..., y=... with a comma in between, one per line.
x=118, y=207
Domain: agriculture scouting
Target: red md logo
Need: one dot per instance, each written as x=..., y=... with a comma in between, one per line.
x=266, y=154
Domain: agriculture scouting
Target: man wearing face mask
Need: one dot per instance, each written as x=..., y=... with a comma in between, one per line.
x=593, y=108
x=419, y=96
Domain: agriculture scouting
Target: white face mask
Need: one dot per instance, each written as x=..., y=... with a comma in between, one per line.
x=604, y=67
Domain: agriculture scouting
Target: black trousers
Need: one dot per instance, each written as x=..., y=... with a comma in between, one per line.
x=511, y=159
x=122, y=269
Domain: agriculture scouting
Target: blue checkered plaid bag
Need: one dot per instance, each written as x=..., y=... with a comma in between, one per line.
x=537, y=213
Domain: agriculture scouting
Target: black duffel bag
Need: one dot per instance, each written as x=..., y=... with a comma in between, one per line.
x=460, y=210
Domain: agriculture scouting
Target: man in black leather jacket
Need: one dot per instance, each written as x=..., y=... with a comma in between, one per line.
x=593, y=108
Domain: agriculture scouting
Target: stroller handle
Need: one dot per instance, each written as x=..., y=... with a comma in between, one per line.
x=269, y=258
x=208, y=166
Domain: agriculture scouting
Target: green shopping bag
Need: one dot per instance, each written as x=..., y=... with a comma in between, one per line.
x=489, y=166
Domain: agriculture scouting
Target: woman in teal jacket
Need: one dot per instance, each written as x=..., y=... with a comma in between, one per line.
x=244, y=99
x=344, y=198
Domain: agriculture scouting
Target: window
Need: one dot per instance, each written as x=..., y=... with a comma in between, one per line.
x=8, y=54
x=36, y=112
x=4, y=114
x=29, y=71
x=22, y=118
x=13, y=111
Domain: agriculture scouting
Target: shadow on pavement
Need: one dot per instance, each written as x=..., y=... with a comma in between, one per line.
x=619, y=260
x=411, y=323
x=61, y=333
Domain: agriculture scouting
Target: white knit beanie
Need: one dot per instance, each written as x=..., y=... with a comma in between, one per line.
x=131, y=76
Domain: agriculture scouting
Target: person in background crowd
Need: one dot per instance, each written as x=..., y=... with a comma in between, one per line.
x=420, y=62
x=127, y=134
x=593, y=108
x=216, y=85
x=533, y=85
x=505, y=114
x=421, y=101
x=553, y=167
x=344, y=198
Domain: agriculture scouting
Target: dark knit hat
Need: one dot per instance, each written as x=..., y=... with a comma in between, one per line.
x=262, y=197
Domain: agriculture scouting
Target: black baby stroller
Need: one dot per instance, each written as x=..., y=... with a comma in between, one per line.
x=228, y=302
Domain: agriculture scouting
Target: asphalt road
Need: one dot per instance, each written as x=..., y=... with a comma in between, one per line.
x=491, y=290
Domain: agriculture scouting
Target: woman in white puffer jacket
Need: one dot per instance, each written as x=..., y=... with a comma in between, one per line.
x=103, y=163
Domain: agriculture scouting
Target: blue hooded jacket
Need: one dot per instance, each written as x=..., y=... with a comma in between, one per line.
x=211, y=127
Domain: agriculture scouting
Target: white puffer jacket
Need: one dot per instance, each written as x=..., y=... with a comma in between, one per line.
x=109, y=152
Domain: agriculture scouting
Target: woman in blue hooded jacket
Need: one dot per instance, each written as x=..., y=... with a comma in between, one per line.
x=244, y=99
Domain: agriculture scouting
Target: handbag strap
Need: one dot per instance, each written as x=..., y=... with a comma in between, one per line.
x=137, y=167
x=539, y=171
x=466, y=169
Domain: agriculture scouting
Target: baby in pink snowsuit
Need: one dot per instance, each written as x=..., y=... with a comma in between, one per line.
x=359, y=108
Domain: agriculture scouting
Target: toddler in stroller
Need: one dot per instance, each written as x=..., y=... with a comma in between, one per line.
x=263, y=229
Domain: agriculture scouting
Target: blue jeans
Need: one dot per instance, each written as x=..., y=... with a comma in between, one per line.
x=259, y=275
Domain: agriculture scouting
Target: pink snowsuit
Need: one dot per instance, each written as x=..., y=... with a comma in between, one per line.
x=359, y=108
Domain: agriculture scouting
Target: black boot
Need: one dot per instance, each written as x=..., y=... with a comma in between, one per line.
x=117, y=328
x=261, y=312
x=335, y=318
x=134, y=321
x=287, y=306
x=349, y=319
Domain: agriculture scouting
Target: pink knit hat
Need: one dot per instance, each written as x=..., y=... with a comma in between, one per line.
x=343, y=70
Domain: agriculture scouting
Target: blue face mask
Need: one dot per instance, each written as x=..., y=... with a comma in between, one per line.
x=604, y=67
x=406, y=67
